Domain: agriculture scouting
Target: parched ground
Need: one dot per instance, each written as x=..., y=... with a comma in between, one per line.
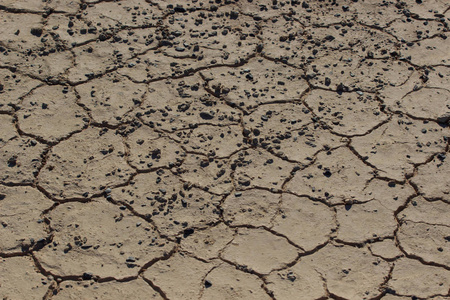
x=224, y=149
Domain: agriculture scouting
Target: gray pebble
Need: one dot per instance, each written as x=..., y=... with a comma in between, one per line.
x=445, y=118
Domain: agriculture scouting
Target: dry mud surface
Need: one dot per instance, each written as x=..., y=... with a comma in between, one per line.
x=224, y=149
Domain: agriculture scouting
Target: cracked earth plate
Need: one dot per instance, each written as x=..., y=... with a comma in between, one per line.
x=100, y=238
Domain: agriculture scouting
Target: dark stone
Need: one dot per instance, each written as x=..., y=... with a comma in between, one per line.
x=179, y=9
x=244, y=182
x=327, y=173
x=390, y=291
x=188, y=232
x=445, y=118
x=206, y=116
x=166, y=43
x=12, y=161
x=208, y=283
x=234, y=15
x=441, y=156
x=103, y=37
x=36, y=31
x=259, y=48
x=341, y=88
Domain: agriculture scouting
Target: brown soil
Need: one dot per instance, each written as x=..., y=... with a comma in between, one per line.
x=224, y=149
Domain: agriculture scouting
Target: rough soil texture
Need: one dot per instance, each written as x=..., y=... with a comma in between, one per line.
x=224, y=149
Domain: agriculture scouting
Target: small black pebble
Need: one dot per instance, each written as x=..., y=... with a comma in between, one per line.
x=36, y=32
x=188, y=232
x=327, y=173
x=206, y=116
x=208, y=283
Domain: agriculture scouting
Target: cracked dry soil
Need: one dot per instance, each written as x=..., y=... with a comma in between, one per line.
x=224, y=149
